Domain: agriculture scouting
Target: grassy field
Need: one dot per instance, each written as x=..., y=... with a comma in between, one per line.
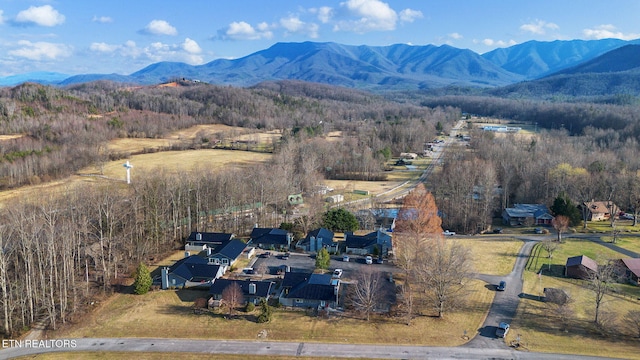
x=542, y=330
x=493, y=256
x=127, y=315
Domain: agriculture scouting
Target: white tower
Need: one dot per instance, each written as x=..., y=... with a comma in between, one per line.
x=128, y=167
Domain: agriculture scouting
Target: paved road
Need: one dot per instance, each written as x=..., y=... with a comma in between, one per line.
x=505, y=303
x=256, y=349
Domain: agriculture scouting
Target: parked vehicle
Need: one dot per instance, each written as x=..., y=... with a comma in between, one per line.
x=539, y=230
x=379, y=260
x=368, y=260
x=448, y=233
x=266, y=254
x=337, y=273
x=497, y=231
x=345, y=258
x=502, y=286
x=285, y=256
x=503, y=329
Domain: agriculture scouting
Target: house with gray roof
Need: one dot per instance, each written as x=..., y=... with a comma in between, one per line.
x=252, y=291
x=527, y=215
x=271, y=238
x=227, y=253
x=367, y=244
x=309, y=290
x=318, y=239
x=200, y=241
x=190, y=272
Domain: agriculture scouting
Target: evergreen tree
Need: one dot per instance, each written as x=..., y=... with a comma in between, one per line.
x=143, y=280
x=562, y=205
x=340, y=220
x=323, y=259
x=266, y=312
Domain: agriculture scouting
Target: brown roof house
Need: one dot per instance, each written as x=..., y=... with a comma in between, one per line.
x=598, y=210
x=629, y=269
x=580, y=267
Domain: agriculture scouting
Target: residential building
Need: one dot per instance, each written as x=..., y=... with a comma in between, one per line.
x=598, y=210
x=271, y=238
x=252, y=291
x=527, y=215
x=309, y=290
x=374, y=242
x=190, y=272
x=580, y=267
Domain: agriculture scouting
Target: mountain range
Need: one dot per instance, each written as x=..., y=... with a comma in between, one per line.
x=393, y=67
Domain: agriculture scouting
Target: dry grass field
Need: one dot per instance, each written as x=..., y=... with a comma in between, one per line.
x=179, y=161
x=541, y=330
x=492, y=256
x=127, y=315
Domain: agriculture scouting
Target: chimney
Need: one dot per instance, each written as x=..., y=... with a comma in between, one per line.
x=164, y=274
x=208, y=251
x=252, y=288
x=186, y=254
x=198, y=236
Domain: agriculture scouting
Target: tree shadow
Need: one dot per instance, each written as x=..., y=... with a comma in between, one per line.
x=531, y=297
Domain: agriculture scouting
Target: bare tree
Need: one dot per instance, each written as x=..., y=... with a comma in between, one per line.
x=442, y=275
x=368, y=292
x=549, y=246
x=232, y=297
x=561, y=224
x=632, y=320
x=600, y=282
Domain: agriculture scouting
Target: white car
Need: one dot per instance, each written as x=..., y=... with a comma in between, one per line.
x=345, y=258
x=368, y=260
x=448, y=233
x=337, y=273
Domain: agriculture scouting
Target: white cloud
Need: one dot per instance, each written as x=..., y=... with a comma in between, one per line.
x=240, y=30
x=455, y=36
x=160, y=27
x=496, y=43
x=40, y=15
x=103, y=47
x=325, y=14
x=293, y=25
x=608, y=31
x=372, y=15
x=409, y=15
x=1, y=17
x=191, y=46
x=187, y=51
x=102, y=19
x=539, y=27
x=41, y=50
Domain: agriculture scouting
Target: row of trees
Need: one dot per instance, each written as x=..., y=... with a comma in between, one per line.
x=497, y=171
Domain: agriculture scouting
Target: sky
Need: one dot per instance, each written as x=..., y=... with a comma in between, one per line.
x=117, y=36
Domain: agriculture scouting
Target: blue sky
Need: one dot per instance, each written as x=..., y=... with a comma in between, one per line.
x=116, y=36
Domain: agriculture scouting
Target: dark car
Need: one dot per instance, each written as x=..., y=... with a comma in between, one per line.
x=497, y=231
x=502, y=330
x=502, y=286
x=266, y=254
x=285, y=256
